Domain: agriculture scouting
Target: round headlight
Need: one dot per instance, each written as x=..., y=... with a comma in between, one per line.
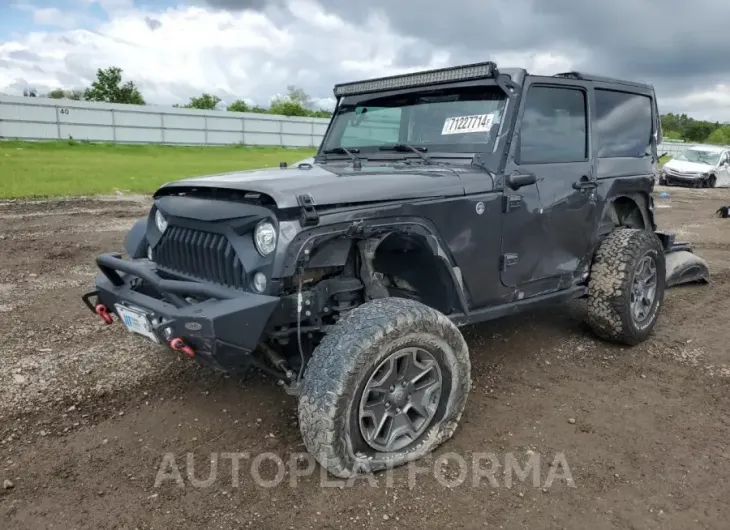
x=264, y=236
x=160, y=221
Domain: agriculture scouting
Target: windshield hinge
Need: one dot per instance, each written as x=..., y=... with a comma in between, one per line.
x=309, y=216
x=511, y=202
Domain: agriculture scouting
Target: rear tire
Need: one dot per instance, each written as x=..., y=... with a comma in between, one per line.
x=357, y=399
x=626, y=286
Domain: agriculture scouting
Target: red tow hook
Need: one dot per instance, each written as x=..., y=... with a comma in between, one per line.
x=179, y=345
x=103, y=312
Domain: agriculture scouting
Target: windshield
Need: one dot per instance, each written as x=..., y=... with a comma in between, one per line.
x=701, y=157
x=457, y=119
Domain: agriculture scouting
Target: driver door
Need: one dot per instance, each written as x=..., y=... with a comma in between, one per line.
x=548, y=224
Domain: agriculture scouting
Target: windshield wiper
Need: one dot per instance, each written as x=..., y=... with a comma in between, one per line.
x=356, y=160
x=407, y=147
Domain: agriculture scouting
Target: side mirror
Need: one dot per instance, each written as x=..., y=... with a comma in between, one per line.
x=516, y=180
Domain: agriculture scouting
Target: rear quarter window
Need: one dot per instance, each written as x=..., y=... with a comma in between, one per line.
x=623, y=124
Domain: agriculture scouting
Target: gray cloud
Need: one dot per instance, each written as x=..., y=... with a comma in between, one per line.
x=152, y=23
x=23, y=55
x=678, y=46
x=239, y=5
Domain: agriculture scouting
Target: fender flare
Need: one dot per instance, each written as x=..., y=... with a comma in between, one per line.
x=135, y=242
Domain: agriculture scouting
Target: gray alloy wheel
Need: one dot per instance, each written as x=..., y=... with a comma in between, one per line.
x=400, y=399
x=643, y=289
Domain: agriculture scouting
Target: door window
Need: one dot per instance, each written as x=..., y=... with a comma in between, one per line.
x=554, y=126
x=623, y=124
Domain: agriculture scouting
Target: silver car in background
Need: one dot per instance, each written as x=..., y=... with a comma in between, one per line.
x=701, y=166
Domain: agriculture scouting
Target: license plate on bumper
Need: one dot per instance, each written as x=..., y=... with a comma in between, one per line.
x=136, y=321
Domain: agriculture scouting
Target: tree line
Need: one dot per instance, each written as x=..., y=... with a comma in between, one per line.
x=682, y=127
x=109, y=87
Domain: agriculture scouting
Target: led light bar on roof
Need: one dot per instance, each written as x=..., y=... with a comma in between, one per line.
x=430, y=77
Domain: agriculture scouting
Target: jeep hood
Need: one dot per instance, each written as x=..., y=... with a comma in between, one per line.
x=685, y=166
x=333, y=185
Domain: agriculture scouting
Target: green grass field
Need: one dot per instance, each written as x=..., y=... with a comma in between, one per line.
x=57, y=169
x=47, y=169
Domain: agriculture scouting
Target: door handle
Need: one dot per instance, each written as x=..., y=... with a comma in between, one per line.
x=517, y=180
x=584, y=184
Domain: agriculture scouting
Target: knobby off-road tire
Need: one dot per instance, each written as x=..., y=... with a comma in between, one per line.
x=612, y=289
x=352, y=355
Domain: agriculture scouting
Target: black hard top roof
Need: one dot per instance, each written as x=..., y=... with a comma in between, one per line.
x=603, y=79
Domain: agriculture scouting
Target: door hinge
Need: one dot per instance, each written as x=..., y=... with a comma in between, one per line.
x=511, y=202
x=507, y=260
x=309, y=216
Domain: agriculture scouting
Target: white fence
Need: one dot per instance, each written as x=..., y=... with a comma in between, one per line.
x=674, y=147
x=60, y=119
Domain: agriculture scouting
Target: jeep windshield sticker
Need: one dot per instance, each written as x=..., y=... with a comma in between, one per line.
x=468, y=124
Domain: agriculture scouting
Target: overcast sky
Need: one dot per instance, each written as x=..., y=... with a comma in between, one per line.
x=251, y=49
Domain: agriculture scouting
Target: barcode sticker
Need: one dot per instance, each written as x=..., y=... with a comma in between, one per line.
x=468, y=124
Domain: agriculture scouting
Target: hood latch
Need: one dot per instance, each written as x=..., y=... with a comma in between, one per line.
x=309, y=216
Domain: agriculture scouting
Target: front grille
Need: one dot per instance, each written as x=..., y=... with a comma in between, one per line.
x=200, y=255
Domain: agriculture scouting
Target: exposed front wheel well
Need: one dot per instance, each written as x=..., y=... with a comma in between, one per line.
x=405, y=267
x=346, y=272
x=349, y=272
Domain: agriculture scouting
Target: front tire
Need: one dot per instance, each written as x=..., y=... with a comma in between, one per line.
x=626, y=286
x=385, y=387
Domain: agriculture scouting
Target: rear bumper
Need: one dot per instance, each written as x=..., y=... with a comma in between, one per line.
x=223, y=329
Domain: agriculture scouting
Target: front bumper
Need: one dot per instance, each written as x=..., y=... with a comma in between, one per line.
x=222, y=328
x=680, y=180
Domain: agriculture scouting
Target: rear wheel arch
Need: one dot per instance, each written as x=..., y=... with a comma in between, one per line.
x=627, y=211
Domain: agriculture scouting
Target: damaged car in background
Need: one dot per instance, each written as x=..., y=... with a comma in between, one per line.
x=437, y=199
x=702, y=166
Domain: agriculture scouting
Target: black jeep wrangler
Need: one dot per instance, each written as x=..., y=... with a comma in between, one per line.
x=436, y=199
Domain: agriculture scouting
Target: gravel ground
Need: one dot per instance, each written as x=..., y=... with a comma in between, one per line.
x=88, y=413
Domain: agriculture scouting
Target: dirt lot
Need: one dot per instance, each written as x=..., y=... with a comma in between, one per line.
x=87, y=413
